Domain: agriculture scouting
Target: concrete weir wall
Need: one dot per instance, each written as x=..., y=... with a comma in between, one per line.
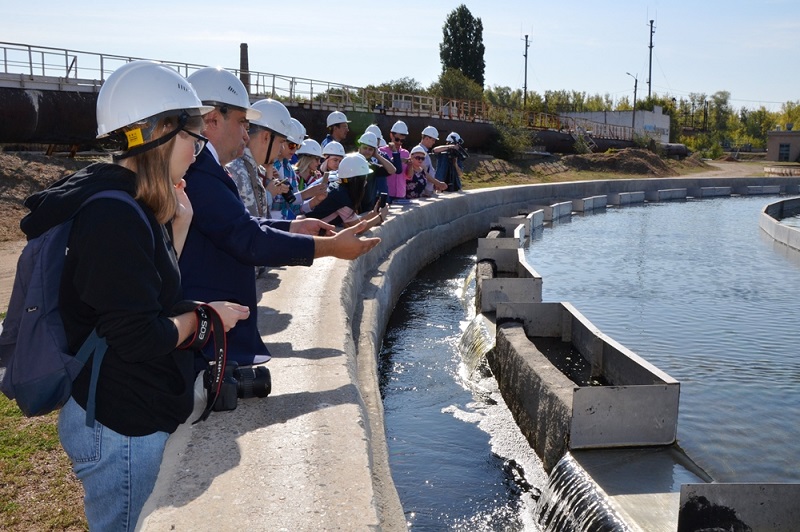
x=770, y=222
x=313, y=456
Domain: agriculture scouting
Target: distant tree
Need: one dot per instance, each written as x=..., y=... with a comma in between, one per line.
x=462, y=44
x=504, y=96
x=454, y=84
x=404, y=85
x=790, y=114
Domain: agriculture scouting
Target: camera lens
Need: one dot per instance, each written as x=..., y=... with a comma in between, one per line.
x=253, y=382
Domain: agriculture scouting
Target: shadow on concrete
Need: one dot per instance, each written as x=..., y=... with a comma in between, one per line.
x=216, y=447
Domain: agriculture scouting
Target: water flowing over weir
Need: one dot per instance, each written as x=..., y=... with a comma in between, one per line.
x=458, y=459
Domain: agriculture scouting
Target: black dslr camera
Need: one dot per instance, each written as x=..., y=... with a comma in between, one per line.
x=458, y=151
x=240, y=383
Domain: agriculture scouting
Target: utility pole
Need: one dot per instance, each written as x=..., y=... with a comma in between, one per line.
x=525, y=90
x=635, y=88
x=650, y=72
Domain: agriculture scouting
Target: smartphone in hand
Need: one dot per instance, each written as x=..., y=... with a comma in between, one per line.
x=383, y=199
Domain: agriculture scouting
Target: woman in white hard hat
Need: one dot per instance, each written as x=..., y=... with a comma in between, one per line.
x=399, y=155
x=416, y=173
x=381, y=169
x=121, y=280
x=332, y=154
x=342, y=205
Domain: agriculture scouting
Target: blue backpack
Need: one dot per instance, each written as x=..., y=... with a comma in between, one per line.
x=37, y=363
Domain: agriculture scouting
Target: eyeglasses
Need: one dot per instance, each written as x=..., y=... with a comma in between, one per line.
x=417, y=158
x=199, y=141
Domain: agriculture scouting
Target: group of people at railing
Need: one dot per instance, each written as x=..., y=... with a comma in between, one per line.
x=220, y=199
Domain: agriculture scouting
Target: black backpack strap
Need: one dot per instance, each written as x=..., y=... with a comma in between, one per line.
x=96, y=345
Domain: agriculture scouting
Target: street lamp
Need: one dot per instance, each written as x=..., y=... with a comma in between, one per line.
x=635, y=87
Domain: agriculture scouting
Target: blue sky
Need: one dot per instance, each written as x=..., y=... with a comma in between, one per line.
x=748, y=48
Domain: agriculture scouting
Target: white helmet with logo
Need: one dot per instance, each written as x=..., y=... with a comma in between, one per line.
x=219, y=87
x=274, y=116
x=336, y=117
x=310, y=147
x=333, y=148
x=431, y=131
x=353, y=165
x=400, y=128
x=369, y=139
x=140, y=90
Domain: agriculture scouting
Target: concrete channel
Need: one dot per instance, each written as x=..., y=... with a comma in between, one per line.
x=313, y=456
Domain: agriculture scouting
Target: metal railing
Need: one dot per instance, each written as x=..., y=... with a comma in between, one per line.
x=87, y=70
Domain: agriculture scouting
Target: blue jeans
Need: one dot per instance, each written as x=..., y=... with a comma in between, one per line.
x=117, y=472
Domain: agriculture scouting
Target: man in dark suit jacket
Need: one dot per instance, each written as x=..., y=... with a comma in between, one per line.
x=225, y=243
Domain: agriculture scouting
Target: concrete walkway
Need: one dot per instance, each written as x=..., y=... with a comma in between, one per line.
x=313, y=455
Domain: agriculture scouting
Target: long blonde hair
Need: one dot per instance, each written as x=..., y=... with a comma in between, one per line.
x=153, y=182
x=303, y=165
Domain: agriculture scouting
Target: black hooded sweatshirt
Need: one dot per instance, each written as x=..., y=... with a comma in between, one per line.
x=116, y=280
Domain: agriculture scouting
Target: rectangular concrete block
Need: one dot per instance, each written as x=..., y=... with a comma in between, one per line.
x=557, y=210
x=589, y=204
x=538, y=395
x=505, y=289
x=626, y=198
x=536, y=219
x=624, y=416
x=752, y=190
x=666, y=194
x=511, y=223
x=756, y=506
x=709, y=192
x=505, y=259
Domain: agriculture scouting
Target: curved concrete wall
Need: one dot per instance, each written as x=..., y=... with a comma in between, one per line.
x=313, y=455
x=770, y=222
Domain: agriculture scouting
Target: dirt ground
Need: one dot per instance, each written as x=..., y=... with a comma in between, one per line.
x=23, y=173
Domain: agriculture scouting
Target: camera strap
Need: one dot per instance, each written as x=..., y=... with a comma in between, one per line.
x=216, y=368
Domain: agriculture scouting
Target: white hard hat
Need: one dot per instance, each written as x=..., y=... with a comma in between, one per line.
x=374, y=129
x=274, y=116
x=142, y=89
x=310, y=147
x=333, y=148
x=454, y=137
x=418, y=149
x=298, y=132
x=369, y=139
x=400, y=127
x=219, y=87
x=353, y=165
x=431, y=131
x=336, y=117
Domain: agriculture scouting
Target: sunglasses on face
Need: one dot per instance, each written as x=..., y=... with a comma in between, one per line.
x=292, y=145
x=417, y=158
x=199, y=141
x=399, y=137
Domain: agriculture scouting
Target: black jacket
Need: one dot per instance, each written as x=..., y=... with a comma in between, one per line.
x=116, y=280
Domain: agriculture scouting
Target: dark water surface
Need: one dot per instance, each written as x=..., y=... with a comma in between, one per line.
x=697, y=289
x=457, y=457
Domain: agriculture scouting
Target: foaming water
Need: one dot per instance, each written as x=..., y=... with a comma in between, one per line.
x=694, y=288
x=572, y=501
x=458, y=460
